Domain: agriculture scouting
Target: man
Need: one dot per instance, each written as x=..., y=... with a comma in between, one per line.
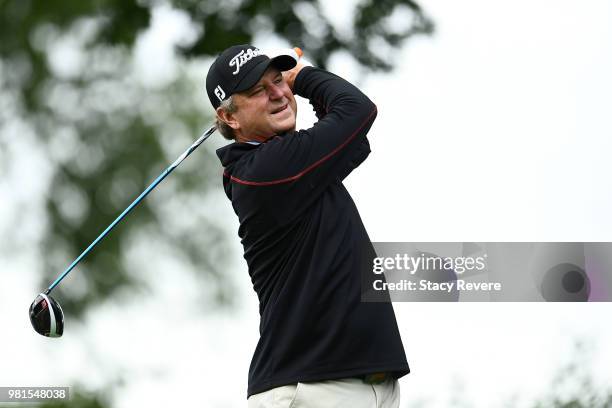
x=303, y=239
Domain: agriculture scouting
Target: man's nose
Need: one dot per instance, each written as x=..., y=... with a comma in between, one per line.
x=275, y=92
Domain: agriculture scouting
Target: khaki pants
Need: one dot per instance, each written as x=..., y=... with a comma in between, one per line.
x=348, y=392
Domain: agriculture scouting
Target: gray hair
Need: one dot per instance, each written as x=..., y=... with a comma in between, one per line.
x=226, y=130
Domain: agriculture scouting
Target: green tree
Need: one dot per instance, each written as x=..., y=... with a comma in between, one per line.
x=574, y=385
x=107, y=134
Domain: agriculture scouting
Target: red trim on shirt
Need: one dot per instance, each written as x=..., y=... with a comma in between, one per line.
x=307, y=169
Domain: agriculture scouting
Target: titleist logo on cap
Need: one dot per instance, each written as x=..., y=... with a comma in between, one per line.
x=242, y=58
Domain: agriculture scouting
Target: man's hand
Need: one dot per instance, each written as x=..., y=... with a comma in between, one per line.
x=290, y=75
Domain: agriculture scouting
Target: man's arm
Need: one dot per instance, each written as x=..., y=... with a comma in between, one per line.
x=299, y=166
x=362, y=151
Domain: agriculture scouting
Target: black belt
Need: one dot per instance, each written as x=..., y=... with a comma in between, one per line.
x=375, y=378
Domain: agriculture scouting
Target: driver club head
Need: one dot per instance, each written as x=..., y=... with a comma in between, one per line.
x=47, y=316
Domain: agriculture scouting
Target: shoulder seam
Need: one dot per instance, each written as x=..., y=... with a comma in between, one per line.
x=307, y=169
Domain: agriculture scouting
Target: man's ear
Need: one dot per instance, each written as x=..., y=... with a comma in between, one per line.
x=228, y=118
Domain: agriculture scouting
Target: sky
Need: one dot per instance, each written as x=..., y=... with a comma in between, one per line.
x=494, y=129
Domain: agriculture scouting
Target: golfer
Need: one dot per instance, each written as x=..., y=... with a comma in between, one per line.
x=304, y=241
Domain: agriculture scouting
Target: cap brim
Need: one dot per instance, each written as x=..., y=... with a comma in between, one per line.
x=282, y=62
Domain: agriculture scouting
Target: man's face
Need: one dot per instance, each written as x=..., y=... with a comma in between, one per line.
x=266, y=109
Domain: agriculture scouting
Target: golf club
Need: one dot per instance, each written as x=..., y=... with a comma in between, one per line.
x=46, y=314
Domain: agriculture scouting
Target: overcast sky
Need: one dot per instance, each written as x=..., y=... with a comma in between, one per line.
x=495, y=129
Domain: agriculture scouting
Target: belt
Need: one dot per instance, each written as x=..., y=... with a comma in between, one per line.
x=375, y=378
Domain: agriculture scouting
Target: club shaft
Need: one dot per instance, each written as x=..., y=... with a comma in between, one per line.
x=125, y=212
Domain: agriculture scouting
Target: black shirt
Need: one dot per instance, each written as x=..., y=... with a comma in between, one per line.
x=305, y=244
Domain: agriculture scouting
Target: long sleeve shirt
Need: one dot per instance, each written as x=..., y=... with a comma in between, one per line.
x=306, y=246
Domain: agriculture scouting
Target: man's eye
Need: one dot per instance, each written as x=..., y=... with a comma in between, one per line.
x=279, y=80
x=257, y=91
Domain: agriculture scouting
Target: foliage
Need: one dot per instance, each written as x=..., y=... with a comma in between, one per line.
x=68, y=78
